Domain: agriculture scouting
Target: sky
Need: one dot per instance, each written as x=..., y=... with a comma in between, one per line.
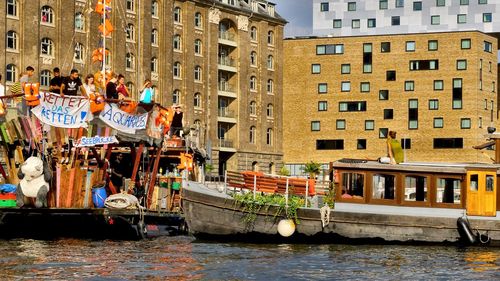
x=298, y=13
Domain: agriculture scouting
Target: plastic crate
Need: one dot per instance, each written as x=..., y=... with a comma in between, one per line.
x=7, y=196
x=7, y=203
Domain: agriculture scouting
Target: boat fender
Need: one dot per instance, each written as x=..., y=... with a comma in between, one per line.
x=465, y=231
x=286, y=227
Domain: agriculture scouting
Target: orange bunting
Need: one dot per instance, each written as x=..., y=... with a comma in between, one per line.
x=186, y=162
x=107, y=28
x=99, y=7
x=98, y=54
x=96, y=103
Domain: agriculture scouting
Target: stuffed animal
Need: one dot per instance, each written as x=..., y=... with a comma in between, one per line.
x=35, y=176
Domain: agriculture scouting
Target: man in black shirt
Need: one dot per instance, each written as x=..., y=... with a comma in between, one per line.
x=71, y=84
x=56, y=81
x=111, y=92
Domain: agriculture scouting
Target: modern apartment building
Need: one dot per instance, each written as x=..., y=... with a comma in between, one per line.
x=375, y=17
x=221, y=59
x=342, y=95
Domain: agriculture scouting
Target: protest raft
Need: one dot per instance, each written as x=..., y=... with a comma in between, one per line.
x=57, y=161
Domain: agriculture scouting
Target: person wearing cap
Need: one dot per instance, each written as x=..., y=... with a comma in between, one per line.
x=177, y=124
x=56, y=81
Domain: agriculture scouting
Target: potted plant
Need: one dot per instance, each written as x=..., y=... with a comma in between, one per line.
x=284, y=171
x=312, y=168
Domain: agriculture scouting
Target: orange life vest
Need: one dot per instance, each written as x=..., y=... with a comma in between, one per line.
x=32, y=93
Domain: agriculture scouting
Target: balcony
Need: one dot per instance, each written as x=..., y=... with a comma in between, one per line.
x=227, y=38
x=226, y=145
x=226, y=116
x=226, y=90
x=227, y=64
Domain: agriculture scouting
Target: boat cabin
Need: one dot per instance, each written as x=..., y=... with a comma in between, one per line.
x=468, y=186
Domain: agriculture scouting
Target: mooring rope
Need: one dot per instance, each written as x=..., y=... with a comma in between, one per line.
x=325, y=215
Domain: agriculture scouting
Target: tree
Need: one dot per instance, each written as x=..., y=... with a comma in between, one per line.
x=312, y=168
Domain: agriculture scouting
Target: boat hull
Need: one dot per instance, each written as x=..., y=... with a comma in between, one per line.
x=209, y=213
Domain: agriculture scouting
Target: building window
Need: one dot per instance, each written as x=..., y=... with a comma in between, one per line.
x=465, y=43
x=340, y=124
x=47, y=15
x=270, y=62
x=11, y=71
x=131, y=6
x=487, y=46
x=11, y=40
x=269, y=136
x=465, y=123
x=481, y=2
x=177, y=69
x=130, y=61
x=322, y=88
x=197, y=100
x=417, y=6
x=438, y=122
x=330, y=145
x=409, y=86
x=337, y=23
x=177, y=15
x=47, y=47
x=382, y=133
x=361, y=144
x=154, y=9
x=316, y=68
x=385, y=47
x=388, y=114
x=253, y=58
x=253, y=83
x=383, y=94
x=461, y=64
x=435, y=20
x=352, y=106
x=12, y=8
x=367, y=68
x=198, y=20
x=400, y=3
x=440, y=3
x=351, y=6
x=177, y=42
x=433, y=104
x=79, y=22
x=372, y=23
x=197, y=73
x=330, y=49
x=79, y=53
x=365, y=87
x=487, y=17
x=252, y=136
x=461, y=18
x=154, y=37
x=45, y=77
x=355, y=23
x=324, y=7
x=270, y=37
x=410, y=46
x=369, y=125
x=270, y=110
x=130, y=32
x=345, y=86
x=383, y=4
x=253, y=33
x=270, y=86
x=412, y=114
x=197, y=47
x=154, y=65
x=345, y=68
x=424, y=65
x=253, y=108
x=395, y=20
x=131, y=87
x=448, y=143
x=176, y=97
x=432, y=45
x=315, y=126
x=390, y=75
x=438, y=85
x=457, y=93
x=322, y=106
x=464, y=2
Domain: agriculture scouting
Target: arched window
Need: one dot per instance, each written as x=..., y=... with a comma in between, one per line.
x=197, y=47
x=79, y=22
x=270, y=86
x=130, y=32
x=270, y=38
x=79, y=53
x=177, y=42
x=270, y=109
x=47, y=15
x=12, y=8
x=269, y=136
x=131, y=88
x=154, y=65
x=131, y=6
x=176, y=97
x=130, y=61
x=253, y=58
x=154, y=37
x=11, y=71
x=11, y=40
x=270, y=62
x=197, y=73
x=253, y=108
x=253, y=83
x=177, y=15
x=47, y=47
x=197, y=100
x=45, y=77
x=252, y=134
x=177, y=69
x=198, y=20
x=197, y=124
x=253, y=33
x=154, y=9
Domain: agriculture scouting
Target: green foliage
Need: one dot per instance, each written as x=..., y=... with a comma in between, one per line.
x=208, y=168
x=284, y=171
x=330, y=196
x=312, y=168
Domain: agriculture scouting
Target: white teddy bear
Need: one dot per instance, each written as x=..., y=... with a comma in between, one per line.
x=35, y=176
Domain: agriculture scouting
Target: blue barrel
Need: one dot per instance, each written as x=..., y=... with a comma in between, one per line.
x=99, y=196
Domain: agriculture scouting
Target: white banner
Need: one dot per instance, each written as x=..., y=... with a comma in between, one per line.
x=121, y=120
x=97, y=140
x=63, y=112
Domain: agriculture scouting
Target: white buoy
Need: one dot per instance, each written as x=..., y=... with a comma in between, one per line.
x=286, y=227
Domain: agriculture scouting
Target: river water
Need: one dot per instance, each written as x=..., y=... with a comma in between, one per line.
x=183, y=258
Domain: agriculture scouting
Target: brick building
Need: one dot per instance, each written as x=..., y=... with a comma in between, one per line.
x=222, y=60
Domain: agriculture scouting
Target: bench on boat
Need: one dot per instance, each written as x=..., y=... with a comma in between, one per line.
x=296, y=186
x=270, y=184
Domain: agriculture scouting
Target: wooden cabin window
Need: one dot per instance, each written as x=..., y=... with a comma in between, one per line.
x=474, y=182
x=353, y=185
x=448, y=191
x=383, y=186
x=490, y=183
x=415, y=188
